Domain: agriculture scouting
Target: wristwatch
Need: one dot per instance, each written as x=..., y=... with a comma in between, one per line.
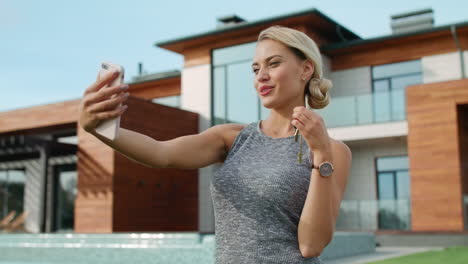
x=325, y=169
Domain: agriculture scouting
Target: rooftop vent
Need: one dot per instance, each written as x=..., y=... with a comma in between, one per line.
x=412, y=21
x=230, y=20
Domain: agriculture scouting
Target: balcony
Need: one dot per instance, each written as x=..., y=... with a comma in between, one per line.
x=364, y=109
x=370, y=215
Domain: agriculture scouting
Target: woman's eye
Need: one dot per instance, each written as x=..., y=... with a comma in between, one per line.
x=274, y=63
x=255, y=70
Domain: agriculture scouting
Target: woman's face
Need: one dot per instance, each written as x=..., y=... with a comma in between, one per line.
x=278, y=75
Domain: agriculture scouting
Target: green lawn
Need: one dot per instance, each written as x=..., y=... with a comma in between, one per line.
x=452, y=255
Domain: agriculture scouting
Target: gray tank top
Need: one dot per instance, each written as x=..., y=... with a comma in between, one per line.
x=258, y=195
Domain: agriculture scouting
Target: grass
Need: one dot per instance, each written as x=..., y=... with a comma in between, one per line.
x=451, y=255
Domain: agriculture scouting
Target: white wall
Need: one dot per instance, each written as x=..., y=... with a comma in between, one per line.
x=361, y=189
x=196, y=92
x=326, y=67
x=351, y=81
x=441, y=67
x=362, y=181
x=378, y=130
x=196, y=97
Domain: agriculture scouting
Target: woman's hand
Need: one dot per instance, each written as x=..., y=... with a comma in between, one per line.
x=98, y=104
x=313, y=130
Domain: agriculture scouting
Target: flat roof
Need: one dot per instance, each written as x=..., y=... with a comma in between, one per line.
x=357, y=42
x=344, y=31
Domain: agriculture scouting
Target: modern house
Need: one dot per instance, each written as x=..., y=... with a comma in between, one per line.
x=400, y=102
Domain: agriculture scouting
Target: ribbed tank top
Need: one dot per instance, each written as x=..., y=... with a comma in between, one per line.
x=258, y=194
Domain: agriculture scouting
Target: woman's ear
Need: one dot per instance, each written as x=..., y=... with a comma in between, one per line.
x=308, y=69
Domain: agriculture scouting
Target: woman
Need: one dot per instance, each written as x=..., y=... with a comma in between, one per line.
x=275, y=200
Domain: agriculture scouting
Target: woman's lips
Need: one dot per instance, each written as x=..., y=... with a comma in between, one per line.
x=265, y=91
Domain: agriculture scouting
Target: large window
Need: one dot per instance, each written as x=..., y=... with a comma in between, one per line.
x=65, y=182
x=11, y=191
x=234, y=97
x=389, y=82
x=393, y=183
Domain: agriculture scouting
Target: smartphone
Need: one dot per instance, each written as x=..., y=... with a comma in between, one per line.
x=110, y=128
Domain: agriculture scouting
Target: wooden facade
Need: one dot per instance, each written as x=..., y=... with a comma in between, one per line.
x=116, y=194
x=397, y=49
x=437, y=148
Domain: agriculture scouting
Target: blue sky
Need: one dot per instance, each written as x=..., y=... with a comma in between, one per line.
x=50, y=50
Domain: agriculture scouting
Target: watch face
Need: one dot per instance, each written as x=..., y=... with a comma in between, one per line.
x=326, y=169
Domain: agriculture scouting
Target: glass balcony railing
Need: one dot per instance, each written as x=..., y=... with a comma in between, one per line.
x=363, y=109
x=374, y=215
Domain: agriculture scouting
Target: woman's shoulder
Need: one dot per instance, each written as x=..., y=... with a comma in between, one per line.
x=229, y=132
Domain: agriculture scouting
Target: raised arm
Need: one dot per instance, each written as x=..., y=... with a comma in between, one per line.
x=186, y=152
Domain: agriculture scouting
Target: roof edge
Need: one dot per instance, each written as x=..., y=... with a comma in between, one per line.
x=358, y=42
x=255, y=23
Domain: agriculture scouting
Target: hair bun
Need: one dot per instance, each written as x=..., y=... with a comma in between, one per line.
x=319, y=97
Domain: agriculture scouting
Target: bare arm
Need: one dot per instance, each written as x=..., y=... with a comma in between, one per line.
x=186, y=152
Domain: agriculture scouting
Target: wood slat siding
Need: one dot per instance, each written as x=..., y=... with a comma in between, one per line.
x=155, y=89
x=434, y=153
x=50, y=116
x=117, y=194
x=397, y=49
x=148, y=199
x=94, y=200
x=56, y=116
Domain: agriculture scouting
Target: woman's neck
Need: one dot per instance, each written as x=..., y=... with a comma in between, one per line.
x=278, y=123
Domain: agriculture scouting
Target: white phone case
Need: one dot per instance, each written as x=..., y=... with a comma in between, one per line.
x=110, y=128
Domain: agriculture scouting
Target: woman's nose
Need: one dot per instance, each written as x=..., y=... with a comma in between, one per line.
x=262, y=75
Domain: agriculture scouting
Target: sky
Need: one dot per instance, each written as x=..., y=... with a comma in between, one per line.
x=50, y=50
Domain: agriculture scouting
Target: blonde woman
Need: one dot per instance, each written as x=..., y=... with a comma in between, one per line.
x=277, y=194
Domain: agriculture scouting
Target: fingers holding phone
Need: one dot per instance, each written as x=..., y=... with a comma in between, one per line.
x=102, y=103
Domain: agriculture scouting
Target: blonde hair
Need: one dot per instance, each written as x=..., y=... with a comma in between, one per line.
x=316, y=94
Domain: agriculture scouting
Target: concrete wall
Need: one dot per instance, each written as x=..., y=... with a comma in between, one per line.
x=359, y=209
x=441, y=67
x=352, y=81
x=196, y=97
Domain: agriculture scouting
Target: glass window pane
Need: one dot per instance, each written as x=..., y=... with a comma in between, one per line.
x=219, y=95
x=386, y=186
x=3, y=192
x=403, y=185
x=16, y=182
x=242, y=98
x=236, y=53
x=398, y=100
x=365, y=113
x=66, y=194
x=401, y=82
x=340, y=112
x=392, y=163
x=382, y=106
x=394, y=69
x=3, y=177
x=382, y=85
